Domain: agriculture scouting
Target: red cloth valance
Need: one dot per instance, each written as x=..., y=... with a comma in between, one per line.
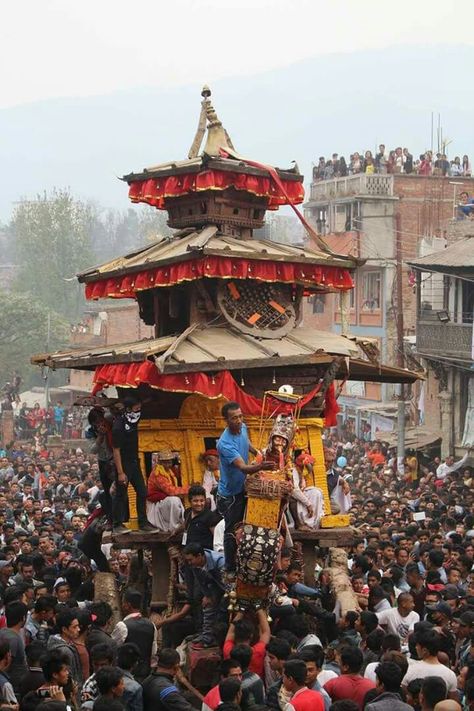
x=213, y=386
x=311, y=275
x=154, y=190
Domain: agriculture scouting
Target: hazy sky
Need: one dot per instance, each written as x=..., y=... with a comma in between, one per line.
x=51, y=48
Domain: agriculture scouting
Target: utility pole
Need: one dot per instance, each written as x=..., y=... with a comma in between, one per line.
x=344, y=310
x=400, y=344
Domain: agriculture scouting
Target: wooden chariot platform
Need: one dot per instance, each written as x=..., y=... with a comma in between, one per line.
x=159, y=543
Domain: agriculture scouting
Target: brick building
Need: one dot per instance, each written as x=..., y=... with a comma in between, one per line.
x=360, y=215
x=104, y=323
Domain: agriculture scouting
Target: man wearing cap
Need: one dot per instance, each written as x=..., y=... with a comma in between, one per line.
x=441, y=613
x=463, y=641
x=125, y=450
x=61, y=590
x=164, y=508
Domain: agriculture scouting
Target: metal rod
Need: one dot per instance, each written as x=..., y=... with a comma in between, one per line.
x=48, y=341
x=400, y=344
x=432, y=132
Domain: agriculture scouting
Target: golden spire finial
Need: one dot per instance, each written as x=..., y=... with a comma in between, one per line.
x=217, y=136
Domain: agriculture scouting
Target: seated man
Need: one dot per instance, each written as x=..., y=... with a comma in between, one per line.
x=164, y=508
x=309, y=499
x=465, y=206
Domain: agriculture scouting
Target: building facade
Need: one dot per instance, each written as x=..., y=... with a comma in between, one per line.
x=444, y=340
x=103, y=324
x=385, y=220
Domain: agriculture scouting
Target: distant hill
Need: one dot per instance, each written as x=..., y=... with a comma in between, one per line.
x=342, y=102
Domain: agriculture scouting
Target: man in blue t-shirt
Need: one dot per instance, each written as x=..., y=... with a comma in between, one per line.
x=233, y=447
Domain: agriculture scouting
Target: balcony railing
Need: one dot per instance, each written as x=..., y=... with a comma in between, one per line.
x=361, y=184
x=444, y=339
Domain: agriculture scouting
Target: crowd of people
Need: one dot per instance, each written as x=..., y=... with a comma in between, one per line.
x=383, y=162
x=407, y=644
x=38, y=422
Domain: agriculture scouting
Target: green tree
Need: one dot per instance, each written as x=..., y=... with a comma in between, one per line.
x=24, y=331
x=152, y=223
x=52, y=241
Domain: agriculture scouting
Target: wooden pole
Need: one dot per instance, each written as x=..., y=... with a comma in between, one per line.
x=344, y=302
x=105, y=590
x=340, y=582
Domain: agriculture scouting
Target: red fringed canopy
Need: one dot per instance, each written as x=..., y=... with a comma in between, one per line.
x=154, y=190
x=222, y=384
x=313, y=275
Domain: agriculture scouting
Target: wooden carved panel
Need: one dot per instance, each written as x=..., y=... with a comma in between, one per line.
x=202, y=408
x=188, y=434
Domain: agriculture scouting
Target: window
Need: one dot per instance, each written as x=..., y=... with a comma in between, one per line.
x=320, y=218
x=319, y=301
x=371, y=291
x=352, y=216
x=340, y=218
x=467, y=301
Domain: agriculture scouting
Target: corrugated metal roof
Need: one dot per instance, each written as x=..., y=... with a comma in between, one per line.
x=188, y=244
x=460, y=254
x=221, y=347
x=415, y=437
x=208, y=345
x=122, y=353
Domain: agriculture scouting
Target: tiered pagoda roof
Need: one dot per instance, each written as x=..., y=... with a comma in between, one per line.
x=221, y=301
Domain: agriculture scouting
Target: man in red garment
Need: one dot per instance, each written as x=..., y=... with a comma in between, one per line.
x=294, y=681
x=350, y=685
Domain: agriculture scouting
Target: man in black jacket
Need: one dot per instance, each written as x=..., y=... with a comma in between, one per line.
x=159, y=690
x=127, y=465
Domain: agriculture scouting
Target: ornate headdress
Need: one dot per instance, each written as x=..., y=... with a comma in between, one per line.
x=285, y=427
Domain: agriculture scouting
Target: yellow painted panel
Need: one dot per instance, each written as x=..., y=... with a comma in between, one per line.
x=319, y=467
x=200, y=419
x=263, y=512
x=335, y=521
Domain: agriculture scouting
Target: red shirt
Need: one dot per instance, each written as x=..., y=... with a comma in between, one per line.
x=376, y=458
x=212, y=699
x=306, y=700
x=258, y=655
x=349, y=686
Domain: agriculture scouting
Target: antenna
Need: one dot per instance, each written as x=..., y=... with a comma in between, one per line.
x=432, y=132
